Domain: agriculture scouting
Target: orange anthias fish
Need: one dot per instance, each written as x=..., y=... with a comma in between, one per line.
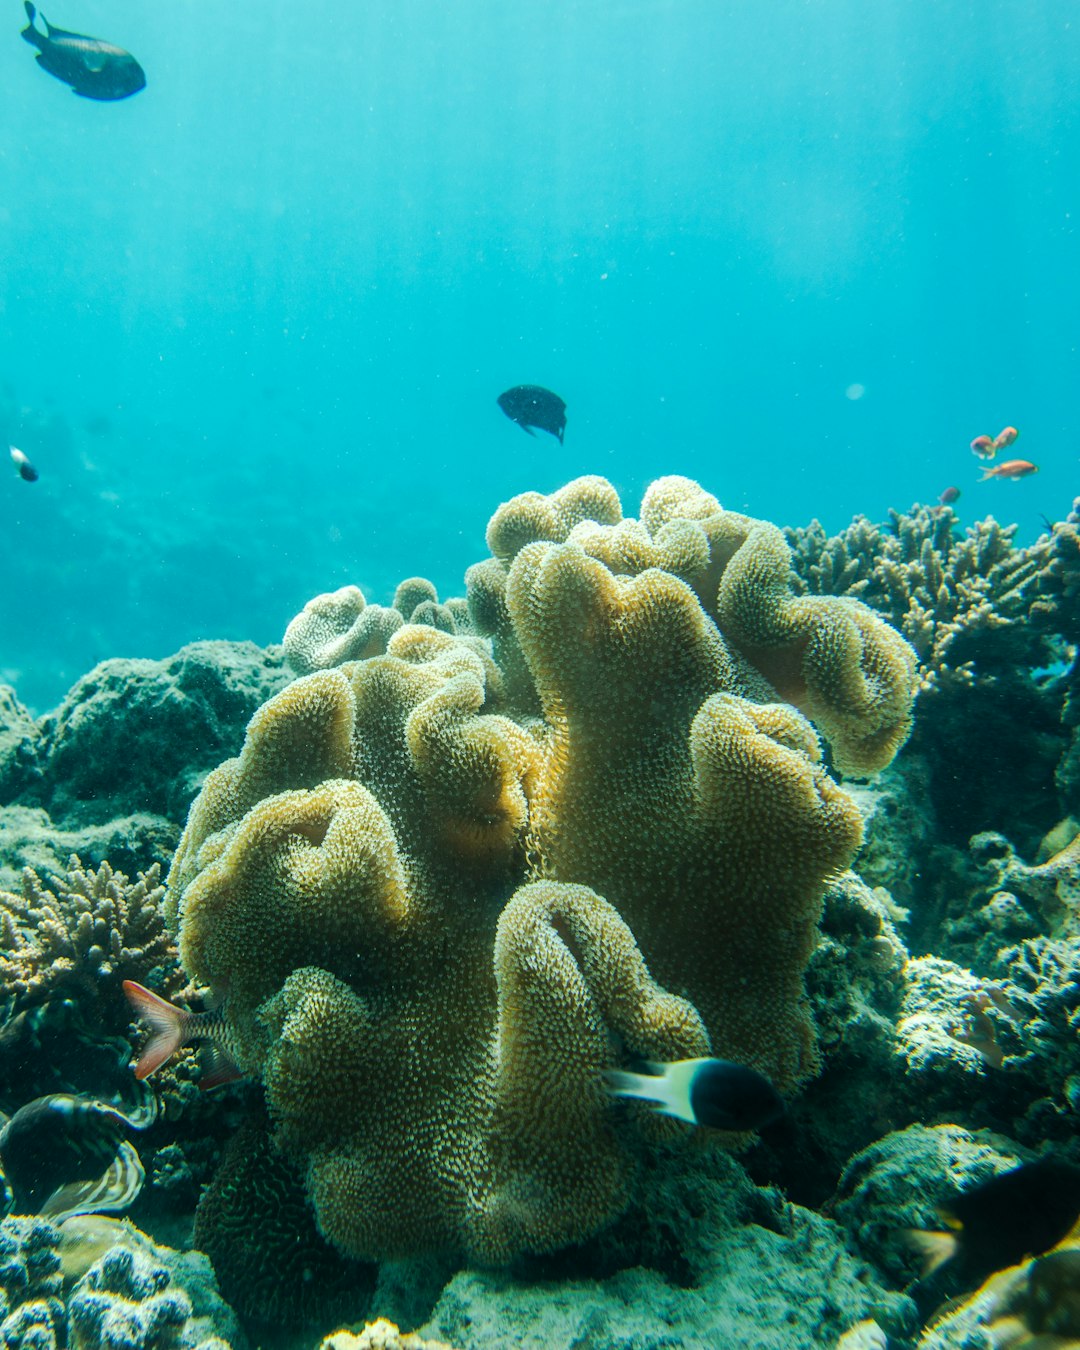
x=1011, y=468
x=987, y=448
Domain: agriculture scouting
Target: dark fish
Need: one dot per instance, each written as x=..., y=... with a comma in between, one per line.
x=713, y=1092
x=67, y=1155
x=23, y=467
x=997, y=1224
x=93, y=68
x=950, y=495
x=172, y=1027
x=530, y=406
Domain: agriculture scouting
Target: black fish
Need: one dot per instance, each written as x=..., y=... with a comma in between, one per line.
x=56, y=1151
x=997, y=1224
x=530, y=406
x=713, y=1092
x=93, y=68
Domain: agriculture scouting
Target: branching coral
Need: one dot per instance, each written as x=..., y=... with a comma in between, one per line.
x=447, y=886
x=81, y=940
x=964, y=602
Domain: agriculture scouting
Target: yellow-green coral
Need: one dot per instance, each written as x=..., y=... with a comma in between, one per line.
x=340, y=626
x=447, y=886
x=970, y=604
x=81, y=939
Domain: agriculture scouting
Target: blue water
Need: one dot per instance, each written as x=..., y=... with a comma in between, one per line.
x=253, y=321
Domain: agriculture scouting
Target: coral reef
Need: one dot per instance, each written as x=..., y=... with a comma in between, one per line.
x=111, y=771
x=964, y=602
x=446, y=886
x=380, y=1335
x=341, y=626
x=81, y=940
x=701, y=1259
x=128, y=1299
x=992, y=623
x=338, y=627
x=898, y=1182
x=256, y=1225
x=94, y=1284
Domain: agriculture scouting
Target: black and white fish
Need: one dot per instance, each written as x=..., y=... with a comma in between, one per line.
x=713, y=1092
x=530, y=405
x=23, y=467
x=93, y=68
x=63, y=1154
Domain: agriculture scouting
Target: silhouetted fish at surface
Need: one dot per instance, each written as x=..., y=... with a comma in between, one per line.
x=93, y=68
x=530, y=405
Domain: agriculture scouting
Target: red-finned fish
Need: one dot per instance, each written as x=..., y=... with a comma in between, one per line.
x=23, y=467
x=1005, y=438
x=1011, y=468
x=950, y=495
x=172, y=1027
x=984, y=447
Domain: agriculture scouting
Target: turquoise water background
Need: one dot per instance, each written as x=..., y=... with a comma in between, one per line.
x=253, y=321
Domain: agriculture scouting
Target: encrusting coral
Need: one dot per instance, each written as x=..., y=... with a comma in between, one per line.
x=104, y=1286
x=447, y=886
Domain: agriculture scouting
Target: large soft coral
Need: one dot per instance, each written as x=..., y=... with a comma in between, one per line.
x=440, y=885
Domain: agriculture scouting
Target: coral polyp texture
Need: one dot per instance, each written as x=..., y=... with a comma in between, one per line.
x=446, y=886
x=81, y=940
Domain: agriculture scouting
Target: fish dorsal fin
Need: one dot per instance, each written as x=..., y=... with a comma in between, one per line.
x=60, y=33
x=115, y=1189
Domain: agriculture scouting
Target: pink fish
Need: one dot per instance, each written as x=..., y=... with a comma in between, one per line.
x=1012, y=468
x=984, y=447
x=1005, y=438
x=172, y=1027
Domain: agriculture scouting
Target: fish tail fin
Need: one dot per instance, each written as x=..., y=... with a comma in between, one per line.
x=645, y=1087
x=988, y=473
x=168, y=1024
x=30, y=32
x=934, y=1248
